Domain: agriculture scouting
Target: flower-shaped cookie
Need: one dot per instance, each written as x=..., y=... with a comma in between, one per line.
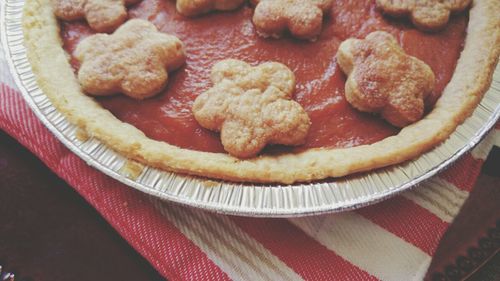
x=382, y=78
x=134, y=60
x=303, y=18
x=102, y=15
x=252, y=107
x=197, y=7
x=425, y=14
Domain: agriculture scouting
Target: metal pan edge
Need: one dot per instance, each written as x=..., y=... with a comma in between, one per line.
x=245, y=199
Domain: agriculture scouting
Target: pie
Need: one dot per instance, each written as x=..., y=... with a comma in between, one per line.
x=461, y=47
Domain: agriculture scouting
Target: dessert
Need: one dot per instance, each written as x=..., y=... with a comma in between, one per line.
x=302, y=18
x=381, y=78
x=197, y=7
x=102, y=15
x=163, y=132
x=251, y=107
x=134, y=60
x=428, y=14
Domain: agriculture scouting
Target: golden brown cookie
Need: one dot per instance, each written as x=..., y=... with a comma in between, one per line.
x=302, y=18
x=425, y=14
x=471, y=79
x=198, y=7
x=134, y=60
x=102, y=15
x=382, y=78
x=252, y=107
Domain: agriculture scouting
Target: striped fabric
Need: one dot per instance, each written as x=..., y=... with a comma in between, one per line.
x=392, y=240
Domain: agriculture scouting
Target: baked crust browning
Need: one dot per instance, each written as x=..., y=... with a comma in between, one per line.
x=197, y=7
x=134, y=60
x=302, y=18
x=382, y=78
x=470, y=81
x=427, y=15
x=101, y=15
x=251, y=107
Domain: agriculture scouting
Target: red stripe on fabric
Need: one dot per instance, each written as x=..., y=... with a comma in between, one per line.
x=132, y=215
x=464, y=172
x=497, y=126
x=127, y=210
x=409, y=221
x=299, y=251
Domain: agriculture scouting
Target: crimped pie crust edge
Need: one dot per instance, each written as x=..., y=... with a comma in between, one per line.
x=471, y=79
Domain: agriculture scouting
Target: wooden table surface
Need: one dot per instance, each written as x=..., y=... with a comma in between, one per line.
x=48, y=232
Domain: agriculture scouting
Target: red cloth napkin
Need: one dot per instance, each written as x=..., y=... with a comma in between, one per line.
x=392, y=240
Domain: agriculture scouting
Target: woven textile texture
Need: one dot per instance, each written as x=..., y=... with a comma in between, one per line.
x=392, y=240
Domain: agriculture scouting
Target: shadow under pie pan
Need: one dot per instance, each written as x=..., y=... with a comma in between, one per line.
x=246, y=199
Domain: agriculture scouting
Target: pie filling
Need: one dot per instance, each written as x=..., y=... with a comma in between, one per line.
x=320, y=82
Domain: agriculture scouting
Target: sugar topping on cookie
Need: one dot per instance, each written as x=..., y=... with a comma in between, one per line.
x=101, y=15
x=382, y=78
x=134, y=60
x=197, y=7
x=302, y=18
x=252, y=107
x=425, y=14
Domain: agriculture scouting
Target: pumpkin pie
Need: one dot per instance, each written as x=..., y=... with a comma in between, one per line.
x=379, y=84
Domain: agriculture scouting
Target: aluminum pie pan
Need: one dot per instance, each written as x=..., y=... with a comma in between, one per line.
x=244, y=199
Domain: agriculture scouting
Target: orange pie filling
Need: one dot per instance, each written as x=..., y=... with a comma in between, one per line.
x=319, y=80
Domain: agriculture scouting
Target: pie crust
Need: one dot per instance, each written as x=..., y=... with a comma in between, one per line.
x=471, y=79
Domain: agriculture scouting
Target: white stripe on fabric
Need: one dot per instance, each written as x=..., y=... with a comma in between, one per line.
x=5, y=76
x=367, y=245
x=439, y=197
x=482, y=150
x=228, y=246
x=496, y=137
